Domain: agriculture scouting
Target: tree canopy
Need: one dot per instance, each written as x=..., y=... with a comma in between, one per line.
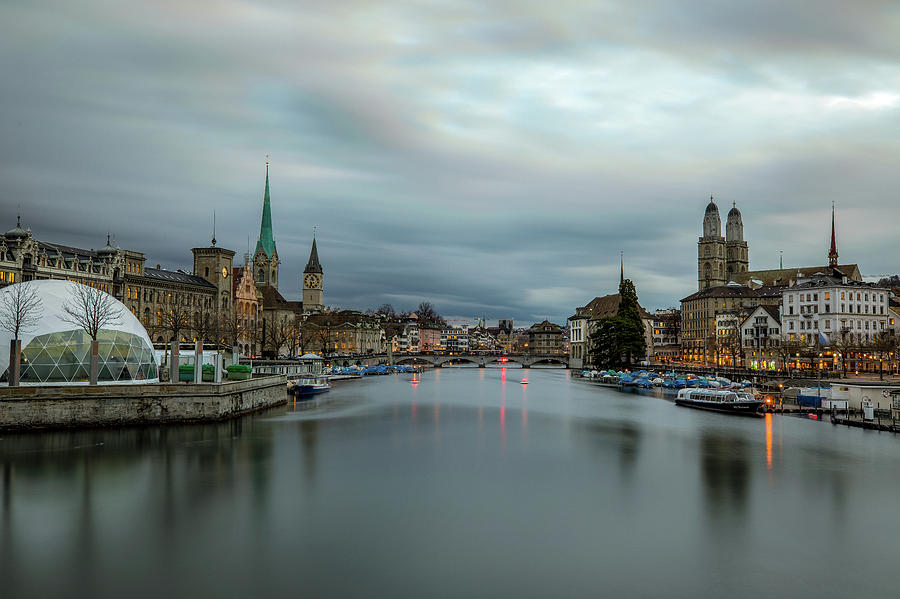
x=619, y=340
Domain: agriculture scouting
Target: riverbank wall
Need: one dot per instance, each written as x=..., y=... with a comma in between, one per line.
x=46, y=407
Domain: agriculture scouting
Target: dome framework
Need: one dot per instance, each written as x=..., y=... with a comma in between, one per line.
x=57, y=352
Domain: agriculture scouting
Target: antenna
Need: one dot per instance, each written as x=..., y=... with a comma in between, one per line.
x=214, y=229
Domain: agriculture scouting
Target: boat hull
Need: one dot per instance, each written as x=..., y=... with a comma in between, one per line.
x=742, y=408
x=302, y=391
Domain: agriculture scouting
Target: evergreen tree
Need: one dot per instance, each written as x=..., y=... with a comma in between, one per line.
x=618, y=340
x=632, y=343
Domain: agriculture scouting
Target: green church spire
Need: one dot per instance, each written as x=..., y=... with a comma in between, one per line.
x=266, y=239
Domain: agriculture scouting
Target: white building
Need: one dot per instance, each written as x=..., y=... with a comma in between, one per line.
x=839, y=307
x=761, y=339
x=456, y=340
x=577, y=340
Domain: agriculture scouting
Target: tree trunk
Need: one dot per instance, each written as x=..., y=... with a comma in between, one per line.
x=15, y=361
x=95, y=361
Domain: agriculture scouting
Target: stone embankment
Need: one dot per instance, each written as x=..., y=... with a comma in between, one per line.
x=24, y=408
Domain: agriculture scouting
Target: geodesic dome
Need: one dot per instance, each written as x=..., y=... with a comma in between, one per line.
x=58, y=352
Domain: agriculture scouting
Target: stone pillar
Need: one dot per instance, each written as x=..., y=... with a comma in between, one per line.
x=235, y=355
x=95, y=362
x=173, y=362
x=218, y=375
x=15, y=361
x=198, y=362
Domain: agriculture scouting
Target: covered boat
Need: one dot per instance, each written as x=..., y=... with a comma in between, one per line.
x=719, y=400
x=306, y=386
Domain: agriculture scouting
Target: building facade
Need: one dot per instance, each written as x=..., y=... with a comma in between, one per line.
x=761, y=339
x=545, y=339
x=699, y=311
x=667, y=335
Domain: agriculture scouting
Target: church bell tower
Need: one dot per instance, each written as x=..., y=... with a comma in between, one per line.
x=265, y=258
x=711, y=250
x=313, y=281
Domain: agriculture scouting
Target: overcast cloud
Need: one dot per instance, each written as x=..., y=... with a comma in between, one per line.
x=492, y=158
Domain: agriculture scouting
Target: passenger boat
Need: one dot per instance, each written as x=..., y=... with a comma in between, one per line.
x=308, y=385
x=719, y=400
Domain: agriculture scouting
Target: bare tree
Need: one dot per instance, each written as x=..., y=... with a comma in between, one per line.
x=20, y=311
x=91, y=309
x=281, y=332
x=175, y=323
x=20, y=308
x=883, y=346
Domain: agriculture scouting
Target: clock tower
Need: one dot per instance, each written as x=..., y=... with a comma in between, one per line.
x=313, y=282
x=214, y=264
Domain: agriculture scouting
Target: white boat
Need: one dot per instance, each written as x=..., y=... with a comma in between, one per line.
x=719, y=400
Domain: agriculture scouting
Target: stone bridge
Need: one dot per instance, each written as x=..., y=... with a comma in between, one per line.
x=482, y=361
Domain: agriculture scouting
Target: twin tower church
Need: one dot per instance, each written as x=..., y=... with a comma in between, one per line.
x=266, y=263
x=721, y=260
x=725, y=260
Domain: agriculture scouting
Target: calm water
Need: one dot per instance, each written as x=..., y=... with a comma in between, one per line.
x=467, y=484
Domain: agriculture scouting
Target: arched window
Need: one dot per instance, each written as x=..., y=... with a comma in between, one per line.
x=706, y=271
x=206, y=272
x=706, y=252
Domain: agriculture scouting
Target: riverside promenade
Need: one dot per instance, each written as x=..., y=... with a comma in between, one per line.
x=71, y=406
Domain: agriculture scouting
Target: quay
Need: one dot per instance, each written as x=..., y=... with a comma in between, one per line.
x=71, y=406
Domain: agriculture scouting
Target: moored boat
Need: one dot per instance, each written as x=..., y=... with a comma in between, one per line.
x=719, y=400
x=308, y=385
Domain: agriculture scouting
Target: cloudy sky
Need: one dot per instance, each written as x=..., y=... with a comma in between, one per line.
x=491, y=157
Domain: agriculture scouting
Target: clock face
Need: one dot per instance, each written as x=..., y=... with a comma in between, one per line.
x=224, y=272
x=312, y=280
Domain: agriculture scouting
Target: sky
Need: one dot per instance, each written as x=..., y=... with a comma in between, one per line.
x=490, y=157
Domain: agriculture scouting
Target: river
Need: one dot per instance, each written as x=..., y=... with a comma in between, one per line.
x=467, y=484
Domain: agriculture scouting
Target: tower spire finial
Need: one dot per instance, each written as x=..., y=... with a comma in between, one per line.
x=621, y=267
x=214, y=229
x=833, y=253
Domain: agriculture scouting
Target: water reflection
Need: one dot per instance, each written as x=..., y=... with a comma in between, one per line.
x=726, y=471
x=396, y=489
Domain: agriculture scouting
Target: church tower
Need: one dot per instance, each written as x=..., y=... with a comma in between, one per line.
x=265, y=258
x=737, y=253
x=313, y=282
x=711, y=250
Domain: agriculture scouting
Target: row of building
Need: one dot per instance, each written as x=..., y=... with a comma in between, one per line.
x=810, y=317
x=218, y=301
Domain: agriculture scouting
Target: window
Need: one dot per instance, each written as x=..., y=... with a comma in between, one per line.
x=827, y=295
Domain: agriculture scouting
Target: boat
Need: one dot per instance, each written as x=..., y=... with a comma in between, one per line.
x=719, y=400
x=308, y=385
x=524, y=381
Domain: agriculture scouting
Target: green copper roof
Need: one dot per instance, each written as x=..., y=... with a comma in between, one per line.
x=313, y=264
x=266, y=239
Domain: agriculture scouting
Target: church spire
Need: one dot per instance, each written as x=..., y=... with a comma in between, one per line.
x=313, y=264
x=832, y=253
x=266, y=240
